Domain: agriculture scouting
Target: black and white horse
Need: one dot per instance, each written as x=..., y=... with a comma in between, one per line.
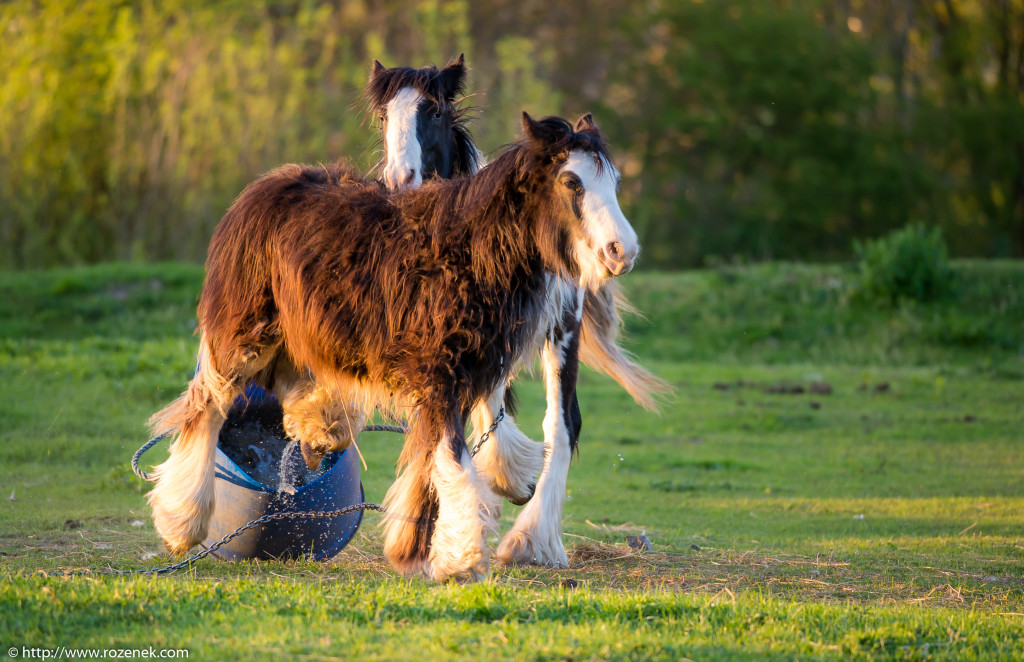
x=423, y=126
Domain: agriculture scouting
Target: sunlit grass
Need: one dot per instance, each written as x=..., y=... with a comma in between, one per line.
x=879, y=519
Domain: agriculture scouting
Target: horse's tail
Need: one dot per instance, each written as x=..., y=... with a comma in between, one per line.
x=599, y=349
x=205, y=390
x=183, y=498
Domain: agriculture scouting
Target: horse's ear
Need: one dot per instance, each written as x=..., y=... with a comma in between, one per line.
x=531, y=129
x=378, y=69
x=585, y=123
x=453, y=76
x=543, y=132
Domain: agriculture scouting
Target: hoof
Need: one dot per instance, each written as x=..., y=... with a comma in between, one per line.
x=521, y=499
x=512, y=470
x=465, y=569
x=312, y=457
x=410, y=567
x=519, y=548
x=180, y=519
x=470, y=576
x=178, y=534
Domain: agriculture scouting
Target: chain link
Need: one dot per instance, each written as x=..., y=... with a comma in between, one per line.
x=487, y=435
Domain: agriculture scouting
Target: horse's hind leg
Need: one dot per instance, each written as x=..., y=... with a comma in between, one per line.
x=183, y=498
x=440, y=511
x=319, y=417
x=536, y=536
x=509, y=461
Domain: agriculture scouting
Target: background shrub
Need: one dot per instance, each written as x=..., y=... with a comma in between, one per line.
x=907, y=264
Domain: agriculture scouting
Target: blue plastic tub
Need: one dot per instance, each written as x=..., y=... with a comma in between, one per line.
x=241, y=499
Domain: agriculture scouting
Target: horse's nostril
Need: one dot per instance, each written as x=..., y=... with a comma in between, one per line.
x=410, y=177
x=617, y=257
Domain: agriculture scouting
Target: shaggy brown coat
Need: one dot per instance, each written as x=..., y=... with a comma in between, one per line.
x=428, y=294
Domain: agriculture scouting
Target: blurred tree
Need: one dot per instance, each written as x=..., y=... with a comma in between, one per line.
x=756, y=136
x=757, y=129
x=955, y=69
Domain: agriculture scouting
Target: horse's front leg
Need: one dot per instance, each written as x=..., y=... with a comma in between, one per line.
x=440, y=511
x=509, y=460
x=322, y=418
x=536, y=536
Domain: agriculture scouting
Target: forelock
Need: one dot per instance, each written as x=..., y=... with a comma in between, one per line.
x=426, y=80
x=588, y=140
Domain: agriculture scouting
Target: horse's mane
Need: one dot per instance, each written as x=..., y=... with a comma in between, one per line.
x=470, y=210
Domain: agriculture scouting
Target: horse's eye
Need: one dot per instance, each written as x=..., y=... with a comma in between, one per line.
x=573, y=185
x=437, y=115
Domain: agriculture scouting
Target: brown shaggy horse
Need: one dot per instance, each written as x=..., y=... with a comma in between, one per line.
x=425, y=134
x=322, y=282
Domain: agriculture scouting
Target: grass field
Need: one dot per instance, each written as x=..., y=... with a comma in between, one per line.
x=880, y=517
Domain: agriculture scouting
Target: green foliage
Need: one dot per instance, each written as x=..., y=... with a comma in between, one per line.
x=126, y=129
x=763, y=130
x=907, y=264
x=759, y=137
x=121, y=477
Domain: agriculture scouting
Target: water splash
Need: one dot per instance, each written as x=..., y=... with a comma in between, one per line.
x=292, y=465
x=268, y=456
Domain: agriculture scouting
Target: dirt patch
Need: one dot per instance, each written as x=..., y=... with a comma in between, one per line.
x=588, y=553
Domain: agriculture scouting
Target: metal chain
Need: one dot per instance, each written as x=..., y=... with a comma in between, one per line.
x=487, y=435
x=174, y=567
x=401, y=428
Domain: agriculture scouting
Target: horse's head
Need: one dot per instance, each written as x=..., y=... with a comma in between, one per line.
x=421, y=122
x=581, y=195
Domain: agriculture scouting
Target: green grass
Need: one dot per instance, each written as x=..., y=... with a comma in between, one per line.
x=870, y=522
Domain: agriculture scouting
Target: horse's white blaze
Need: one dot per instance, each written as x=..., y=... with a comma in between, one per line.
x=604, y=222
x=404, y=155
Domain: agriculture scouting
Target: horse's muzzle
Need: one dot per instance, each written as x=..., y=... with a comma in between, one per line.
x=616, y=258
x=312, y=456
x=401, y=178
